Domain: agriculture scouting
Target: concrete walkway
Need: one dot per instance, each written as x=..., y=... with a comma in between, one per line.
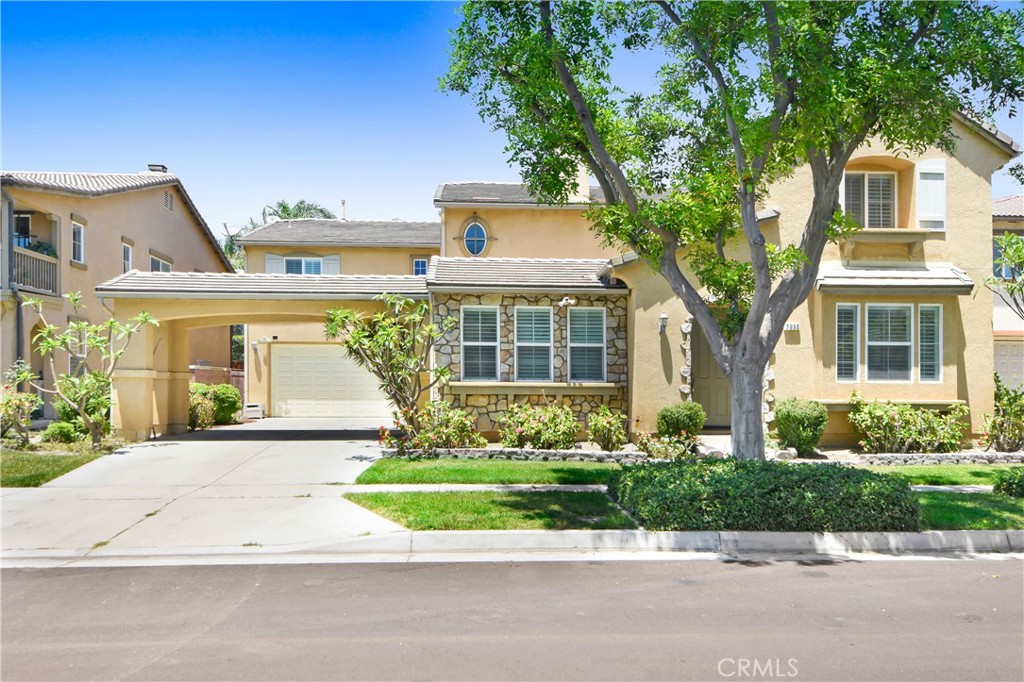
x=273, y=484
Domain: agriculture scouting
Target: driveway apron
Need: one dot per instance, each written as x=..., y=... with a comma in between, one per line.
x=272, y=484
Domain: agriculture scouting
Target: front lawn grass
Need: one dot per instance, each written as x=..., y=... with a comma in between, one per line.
x=487, y=471
x=945, y=474
x=496, y=510
x=31, y=470
x=970, y=511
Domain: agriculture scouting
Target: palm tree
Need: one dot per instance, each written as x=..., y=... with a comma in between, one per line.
x=282, y=210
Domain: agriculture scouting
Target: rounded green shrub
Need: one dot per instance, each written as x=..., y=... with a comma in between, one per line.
x=227, y=401
x=61, y=432
x=800, y=423
x=606, y=430
x=683, y=418
x=731, y=494
x=541, y=427
x=1010, y=482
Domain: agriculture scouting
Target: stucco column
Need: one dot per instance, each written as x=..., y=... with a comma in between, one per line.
x=170, y=383
x=132, y=405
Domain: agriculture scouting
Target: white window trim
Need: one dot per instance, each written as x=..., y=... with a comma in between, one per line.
x=550, y=345
x=856, y=347
x=868, y=344
x=895, y=195
x=603, y=345
x=302, y=265
x=131, y=257
x=81, y=241
x=941, y=349
x=170, y=265
x=426, y=264
x=463, y=343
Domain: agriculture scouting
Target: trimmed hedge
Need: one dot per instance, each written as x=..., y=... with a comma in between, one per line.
x=683, y=418
x=227, y=401
x=731, y=494
x=61, y=432
x=1010, y=482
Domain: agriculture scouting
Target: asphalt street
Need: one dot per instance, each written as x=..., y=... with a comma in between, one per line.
x=705, y=620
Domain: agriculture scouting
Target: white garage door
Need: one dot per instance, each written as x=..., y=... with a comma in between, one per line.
x=319, y=380
x=1009, y=362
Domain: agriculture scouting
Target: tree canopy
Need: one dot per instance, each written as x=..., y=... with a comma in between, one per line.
x=744, y=93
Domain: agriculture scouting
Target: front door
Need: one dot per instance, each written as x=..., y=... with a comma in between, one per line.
x=710, y=385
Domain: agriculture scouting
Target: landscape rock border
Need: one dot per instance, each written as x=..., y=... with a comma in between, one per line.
x=521, y=454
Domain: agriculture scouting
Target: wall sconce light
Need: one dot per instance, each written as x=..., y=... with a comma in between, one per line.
x=662, y=323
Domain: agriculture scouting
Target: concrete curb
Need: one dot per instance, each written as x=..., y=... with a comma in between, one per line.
x=724, y=542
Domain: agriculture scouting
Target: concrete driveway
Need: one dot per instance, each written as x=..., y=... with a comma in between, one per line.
x=269, y=485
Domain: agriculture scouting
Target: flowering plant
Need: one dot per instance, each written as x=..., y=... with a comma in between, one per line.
x=440, y=426
x=541, y=427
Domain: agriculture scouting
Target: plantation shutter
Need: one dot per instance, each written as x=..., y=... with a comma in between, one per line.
x=586, y=344
x=479, y=344
x=881, y=200
x=331, y=265
x=533, y=344
x=889, y=343
x=847, y=359
x=930, y=350
x=931, y=194
x=273, y=264
x=853, y=197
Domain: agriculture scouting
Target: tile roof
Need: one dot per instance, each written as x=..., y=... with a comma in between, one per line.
x=313, y=231
x=104, y=184
x=1008, y=207
x=939, y=278
x=86, y=184
x=221, y=285
x=495, y=193
x=525, y=274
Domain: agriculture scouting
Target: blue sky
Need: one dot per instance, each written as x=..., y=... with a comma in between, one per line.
x=252, y=102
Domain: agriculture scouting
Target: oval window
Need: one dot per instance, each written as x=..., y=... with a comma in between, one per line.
x=475, y=239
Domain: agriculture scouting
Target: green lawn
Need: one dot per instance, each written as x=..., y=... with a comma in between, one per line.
x=970, y=511
x=488, y=471
x=945, y=474
x=496, y=510
x=31, y=469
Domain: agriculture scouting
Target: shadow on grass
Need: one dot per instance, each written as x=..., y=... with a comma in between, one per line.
x=566, y=511
x=573, y=476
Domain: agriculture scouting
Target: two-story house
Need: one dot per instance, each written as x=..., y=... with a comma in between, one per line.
x=72, y=231
x=547, y=311
x=1007, y=326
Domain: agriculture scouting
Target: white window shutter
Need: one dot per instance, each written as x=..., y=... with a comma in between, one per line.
x=931, y=194
x=273, y=264
x=842, y=192
x=331, y=265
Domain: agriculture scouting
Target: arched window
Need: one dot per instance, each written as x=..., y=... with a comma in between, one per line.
x=475, y=239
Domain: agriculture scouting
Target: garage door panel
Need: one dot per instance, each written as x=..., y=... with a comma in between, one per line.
x=1009, y=362
x=320, y=380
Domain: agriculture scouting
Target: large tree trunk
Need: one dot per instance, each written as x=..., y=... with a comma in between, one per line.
x=746, y=419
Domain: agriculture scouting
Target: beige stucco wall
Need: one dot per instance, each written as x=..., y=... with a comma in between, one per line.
x=137, y=216
x=525, y=233
x=354, y=260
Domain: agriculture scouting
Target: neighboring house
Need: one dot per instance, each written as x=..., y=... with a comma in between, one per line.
x=547, y=312
x=72, y=231
x=1007, y=327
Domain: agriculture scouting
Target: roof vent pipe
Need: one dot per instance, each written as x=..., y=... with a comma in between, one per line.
x=343, y=218
x=157, y=168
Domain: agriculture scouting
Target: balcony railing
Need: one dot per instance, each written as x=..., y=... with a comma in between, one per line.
x=34, y=271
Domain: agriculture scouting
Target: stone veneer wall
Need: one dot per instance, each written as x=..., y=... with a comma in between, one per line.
x=489, y=404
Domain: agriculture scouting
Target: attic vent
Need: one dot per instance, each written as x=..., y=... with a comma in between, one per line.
x=168, y=201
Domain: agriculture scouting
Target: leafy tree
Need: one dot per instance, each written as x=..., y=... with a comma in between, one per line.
x=95, y=350
x=746, y=93
x=1010, y=284
x=282, y=210
x=396, y=345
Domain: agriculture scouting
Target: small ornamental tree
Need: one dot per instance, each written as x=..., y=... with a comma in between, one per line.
x=95, y=350
x=396, y=346
x=1009, y=283
x=16, y=407
x=741, y=95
